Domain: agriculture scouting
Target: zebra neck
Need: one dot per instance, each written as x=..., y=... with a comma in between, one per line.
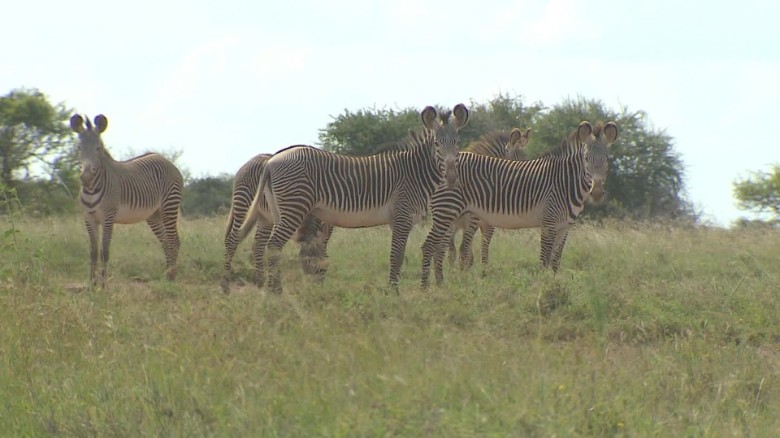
x=583, y=178
x=93, y=187
x=425, y=162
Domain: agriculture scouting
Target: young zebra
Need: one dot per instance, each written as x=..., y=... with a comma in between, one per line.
x=147, y=188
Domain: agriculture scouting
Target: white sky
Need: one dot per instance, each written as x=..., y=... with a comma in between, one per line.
x=225, y=80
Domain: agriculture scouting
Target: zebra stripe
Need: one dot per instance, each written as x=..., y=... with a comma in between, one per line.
x=353, y=192
x=548, y=192
x=313, y=234
x=147, y=187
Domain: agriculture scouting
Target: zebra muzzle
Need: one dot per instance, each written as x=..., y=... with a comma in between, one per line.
x=451, y=173
x=597, y=192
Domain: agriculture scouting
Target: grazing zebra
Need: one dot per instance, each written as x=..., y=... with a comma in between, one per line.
x=353, y=192
x=500, y=144
x=548, y=192
x=313, y=235
x=147, y=187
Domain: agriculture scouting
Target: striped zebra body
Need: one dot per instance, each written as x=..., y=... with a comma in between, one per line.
x=548, y=192
x=313, y=234
x=147, y=187
x=500, y=144
x=353, y=192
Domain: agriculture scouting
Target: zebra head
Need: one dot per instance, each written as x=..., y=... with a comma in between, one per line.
x=518, y=140
x=90, y=144
x=596, y=154
x=446, y=138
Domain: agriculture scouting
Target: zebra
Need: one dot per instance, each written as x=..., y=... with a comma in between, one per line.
x=501, y=144
x=147, y=187
x=313, y=235
x=547, y=192
x=354, y=192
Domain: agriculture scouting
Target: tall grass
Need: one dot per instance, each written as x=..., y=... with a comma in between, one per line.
x=646, y=330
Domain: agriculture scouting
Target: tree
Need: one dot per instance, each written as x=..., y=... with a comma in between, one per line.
x=207, y=196
x=645, y=174
x=501, y=113
x=31, y=132
x=365, y=131
x=760, y=192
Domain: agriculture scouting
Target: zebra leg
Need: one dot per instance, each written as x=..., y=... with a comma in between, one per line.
x=108, y=230
x=548, y=237
x=155, y=223
x=320, y=268
x=555, y=260
x=170, y=219
x=262, y=234
x=487, y=235
x=231, y=244
x=451, y=251
x=92, y=231
x=282, y=232
x=401, y=226
x=310, y=237
x=443, y=225
x=466, y=254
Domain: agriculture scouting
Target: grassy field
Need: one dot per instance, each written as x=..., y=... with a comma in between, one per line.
x=645, y=331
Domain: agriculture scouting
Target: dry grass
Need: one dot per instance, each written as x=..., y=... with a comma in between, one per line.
x=647, y=330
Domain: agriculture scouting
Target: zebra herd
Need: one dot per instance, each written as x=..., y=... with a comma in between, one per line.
x=302, y=192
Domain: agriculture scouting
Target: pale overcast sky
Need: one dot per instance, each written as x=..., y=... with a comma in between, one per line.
x=225, y=80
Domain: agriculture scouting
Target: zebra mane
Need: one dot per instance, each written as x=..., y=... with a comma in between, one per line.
x=598, y=129
x=413, y=140
x=89, y=124
x=293, y=146
x=568, y=145
x=486, y=142
x=444, y=115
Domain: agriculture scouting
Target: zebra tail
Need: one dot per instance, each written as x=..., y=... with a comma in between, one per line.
x=254, y=210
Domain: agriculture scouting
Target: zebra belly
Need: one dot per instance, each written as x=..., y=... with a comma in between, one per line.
x=354, y=219
x=127, y=215
x=530, y=219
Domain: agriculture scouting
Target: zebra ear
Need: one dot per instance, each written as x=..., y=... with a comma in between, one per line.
x=429, y=117
x=516, y=138
x=610, y=132
x=461, y=115
x=101, y=123
x=585, y=131
x=527, y=135
x=77, y=123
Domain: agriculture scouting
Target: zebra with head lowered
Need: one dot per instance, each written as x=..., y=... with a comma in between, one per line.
x=547, y=192
x=313, y=235
x=147, y=187
x=500, y=144
x=353, y=192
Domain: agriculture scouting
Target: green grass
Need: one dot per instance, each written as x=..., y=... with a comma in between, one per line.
x=646, y=330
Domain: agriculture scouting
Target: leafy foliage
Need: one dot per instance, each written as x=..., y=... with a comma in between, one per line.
x=646, y=173
x=760, y=192
x=207, y=196
x=31, y=132
x=365, y=131
x=501, y=113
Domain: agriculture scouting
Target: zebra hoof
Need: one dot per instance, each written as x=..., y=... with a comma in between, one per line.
x=225, y=285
